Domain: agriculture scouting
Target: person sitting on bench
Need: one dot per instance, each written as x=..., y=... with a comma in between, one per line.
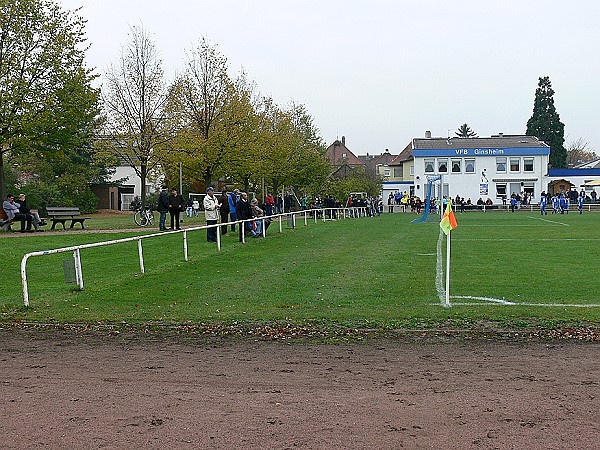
x=12, y=213
x=24, y=209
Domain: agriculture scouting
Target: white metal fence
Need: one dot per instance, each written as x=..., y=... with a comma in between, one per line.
x=292, y=218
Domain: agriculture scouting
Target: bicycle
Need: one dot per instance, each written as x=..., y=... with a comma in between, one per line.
x=142, y=217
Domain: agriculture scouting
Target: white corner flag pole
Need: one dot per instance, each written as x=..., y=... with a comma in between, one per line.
x=447, y=301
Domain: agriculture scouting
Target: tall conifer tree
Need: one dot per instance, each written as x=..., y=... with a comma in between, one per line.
x=545, y=123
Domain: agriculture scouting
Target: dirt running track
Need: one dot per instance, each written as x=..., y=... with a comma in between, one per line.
x=69, y=391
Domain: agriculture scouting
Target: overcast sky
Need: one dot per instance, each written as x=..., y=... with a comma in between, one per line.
x=381, y=72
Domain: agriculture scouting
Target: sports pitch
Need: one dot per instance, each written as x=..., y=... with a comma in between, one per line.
x=380, y=272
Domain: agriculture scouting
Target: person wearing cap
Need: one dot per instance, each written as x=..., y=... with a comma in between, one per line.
x=211, y=211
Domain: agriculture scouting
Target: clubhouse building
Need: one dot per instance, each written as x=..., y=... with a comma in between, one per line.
x=480, y=167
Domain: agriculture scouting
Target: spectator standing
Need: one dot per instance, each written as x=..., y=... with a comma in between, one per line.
x=176, y=203
x=211, y=211
x=188, y=207
x=244, y=212
x=224, y=210
x=269, y=203
x=287, y=202
x=163, y=208
x=303, y=203
x=233, y=200
x=196, y=207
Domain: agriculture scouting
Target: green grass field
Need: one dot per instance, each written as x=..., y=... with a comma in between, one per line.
x=376, y=273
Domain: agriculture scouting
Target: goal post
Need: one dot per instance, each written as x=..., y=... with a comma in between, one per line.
x=433, y=190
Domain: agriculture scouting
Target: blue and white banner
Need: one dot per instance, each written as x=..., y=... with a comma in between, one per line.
x=461, y=152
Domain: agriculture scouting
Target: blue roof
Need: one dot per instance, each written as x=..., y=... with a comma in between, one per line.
x=397, y=182
x=574, y=172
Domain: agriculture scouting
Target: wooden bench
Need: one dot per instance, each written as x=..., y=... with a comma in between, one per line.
x=60, y=214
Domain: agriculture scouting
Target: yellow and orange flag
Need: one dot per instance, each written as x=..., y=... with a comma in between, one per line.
x=448, y=222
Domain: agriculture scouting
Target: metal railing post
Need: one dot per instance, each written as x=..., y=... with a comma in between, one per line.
x=185, y=245
x=78, y=269
x=141, y=254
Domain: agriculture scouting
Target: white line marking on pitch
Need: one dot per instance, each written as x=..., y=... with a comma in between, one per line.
x=546, y=305
x=488, y=301
x=470, y=225
x=549, y=221
x=515, y=239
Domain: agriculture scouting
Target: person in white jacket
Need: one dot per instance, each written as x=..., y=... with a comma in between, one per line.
x=211, y=211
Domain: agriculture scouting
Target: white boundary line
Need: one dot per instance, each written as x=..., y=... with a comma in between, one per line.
x=545, y=305
x=549, y=221
x=472, y=225
x=485, y=299
x=533, y=239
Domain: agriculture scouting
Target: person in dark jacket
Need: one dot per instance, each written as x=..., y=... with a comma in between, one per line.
x=163, y=208
x=224, y=210
x=25, y=209
x=244, y=212
x=176, y=204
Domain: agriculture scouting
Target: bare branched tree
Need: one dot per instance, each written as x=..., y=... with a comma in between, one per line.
x=134, y=103
x=579, y=152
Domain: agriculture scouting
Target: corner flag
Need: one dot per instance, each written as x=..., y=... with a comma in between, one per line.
x=448, y=222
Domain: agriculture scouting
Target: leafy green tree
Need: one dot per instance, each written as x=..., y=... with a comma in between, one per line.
x=202, y=102
x=358, y=180
x=47, y=105
x=136, y=128
x=545, y=123
x=311, y=168
x=465, y=131
x=292, y=148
